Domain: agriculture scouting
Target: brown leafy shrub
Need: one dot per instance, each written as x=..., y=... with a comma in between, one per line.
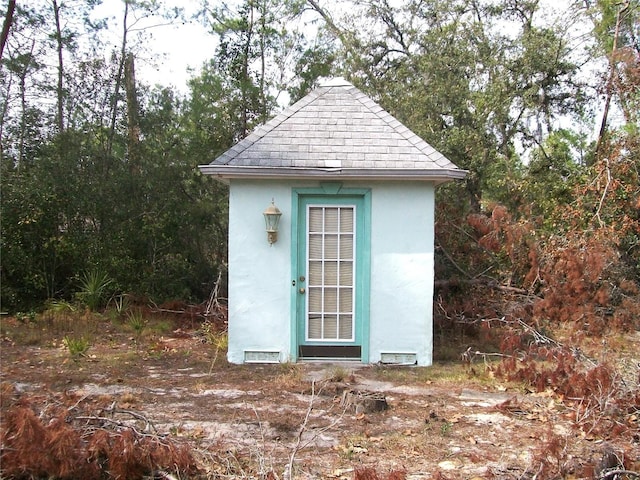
x=370, y=473
x=37, y=447
x=584, y=282
x=32, y=449
x=579, y=278
x=601, y=402
x=511, y=242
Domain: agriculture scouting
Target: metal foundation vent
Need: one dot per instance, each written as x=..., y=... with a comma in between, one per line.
x=399, y=358
x=261, y=356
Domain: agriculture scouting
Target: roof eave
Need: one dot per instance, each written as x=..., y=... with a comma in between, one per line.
x=229, y=172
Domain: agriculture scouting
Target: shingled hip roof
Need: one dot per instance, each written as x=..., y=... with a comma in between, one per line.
x=334, y=132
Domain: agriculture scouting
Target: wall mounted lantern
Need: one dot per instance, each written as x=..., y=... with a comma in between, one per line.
x=271, y=218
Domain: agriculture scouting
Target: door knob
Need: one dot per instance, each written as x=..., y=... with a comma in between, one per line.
x=302, y=290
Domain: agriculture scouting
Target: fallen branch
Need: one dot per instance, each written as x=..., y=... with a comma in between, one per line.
x=117, y=424
x=604, y=193
x=299, y=445
x=481, y=281
x=453, y=262
x=148, y=425
x=614, y=473
x=288, y=473
x=213, y=303
x=469, y=356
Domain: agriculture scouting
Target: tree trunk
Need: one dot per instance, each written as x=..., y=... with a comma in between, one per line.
x=8, y=21
x=609, y=86
x=263, y=96
x=245, y=76
x=22, y=86
x=133, y=120
x=116, y=90
x=59, y=47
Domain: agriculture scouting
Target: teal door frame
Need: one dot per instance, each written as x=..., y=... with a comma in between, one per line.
x=332, y=194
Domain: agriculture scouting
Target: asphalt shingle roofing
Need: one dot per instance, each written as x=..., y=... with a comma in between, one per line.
x=334, y=131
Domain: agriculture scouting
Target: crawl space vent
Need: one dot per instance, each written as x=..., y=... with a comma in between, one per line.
x=260, y=356
x=399, y=358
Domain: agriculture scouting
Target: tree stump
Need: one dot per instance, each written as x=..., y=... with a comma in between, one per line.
x=363, y=402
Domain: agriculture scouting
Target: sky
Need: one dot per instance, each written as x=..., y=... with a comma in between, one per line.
x=169, y=49
x=174, y=48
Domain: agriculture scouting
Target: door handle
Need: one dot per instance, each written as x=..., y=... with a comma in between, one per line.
x=302, y=290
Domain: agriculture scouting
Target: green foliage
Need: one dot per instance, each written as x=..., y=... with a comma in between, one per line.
x=94, y=289
x=121, y=303
x=315, y=62
x=28, y=317
x=77, y=347
x=338, y=374
x=216, y=337
x=136, y=321
x=159, y=234
x=60, y=307
x=477, y=92
x=484, y=82
x=551, y=178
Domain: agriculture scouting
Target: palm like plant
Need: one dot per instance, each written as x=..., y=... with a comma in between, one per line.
x=94, y=288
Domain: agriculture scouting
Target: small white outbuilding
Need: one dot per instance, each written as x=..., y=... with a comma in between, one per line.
x=349, y=273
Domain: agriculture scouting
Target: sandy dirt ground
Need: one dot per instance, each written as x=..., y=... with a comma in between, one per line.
x=325, y=419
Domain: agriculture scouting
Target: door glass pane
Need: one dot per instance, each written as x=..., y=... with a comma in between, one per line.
x=315, y=220
x=331, y=273
x=315, y=327
x=315, y=299
x=331, y=220
x=346, y=220
x=346, y=273
x=315, y=272
x=346, y=327
x=330, y=327
x=346, y=247
x=330, y=300
x=346, y=300
x=330, y=247
x=315, y=247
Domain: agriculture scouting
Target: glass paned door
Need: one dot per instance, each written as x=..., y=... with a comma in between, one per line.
x=331, y=270
x=331, y=267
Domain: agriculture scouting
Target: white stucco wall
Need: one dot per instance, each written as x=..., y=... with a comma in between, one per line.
x=259, y=283
x=402, y=270
x=402, y=223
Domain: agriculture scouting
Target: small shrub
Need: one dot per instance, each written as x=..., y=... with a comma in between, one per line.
x=94, y=287
x=25, y=318
x=212, y=335
x=338, y=374
x=77, y=346
x=136, y=321
x=61, y=307
x=59, y=316
x=445, y=428
x=121, y=303
x=292, y=376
